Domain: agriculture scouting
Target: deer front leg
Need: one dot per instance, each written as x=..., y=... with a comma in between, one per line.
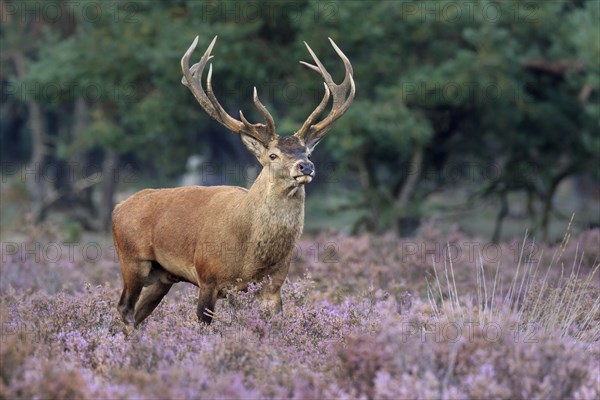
x=270, y=293
x=272, y=298
x=206, y=303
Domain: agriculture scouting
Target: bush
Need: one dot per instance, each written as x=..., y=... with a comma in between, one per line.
x=363, y=326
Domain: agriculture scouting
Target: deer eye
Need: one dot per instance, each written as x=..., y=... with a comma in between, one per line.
x=308, y=156
x=273, y=156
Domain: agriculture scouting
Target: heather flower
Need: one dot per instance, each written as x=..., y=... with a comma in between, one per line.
x=367, y=321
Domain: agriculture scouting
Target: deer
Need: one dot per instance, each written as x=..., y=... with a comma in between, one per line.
x=220, y=238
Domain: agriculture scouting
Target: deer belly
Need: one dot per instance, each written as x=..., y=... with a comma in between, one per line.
x=177, y=266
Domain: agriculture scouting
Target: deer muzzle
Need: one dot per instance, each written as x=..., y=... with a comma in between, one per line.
x=305, y=171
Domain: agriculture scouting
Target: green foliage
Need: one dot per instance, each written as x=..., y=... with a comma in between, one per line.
x=511, y=84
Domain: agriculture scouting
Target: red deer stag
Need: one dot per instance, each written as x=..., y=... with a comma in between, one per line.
x=224, y=236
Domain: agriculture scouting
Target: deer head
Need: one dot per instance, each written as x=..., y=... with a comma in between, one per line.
x=287, y=158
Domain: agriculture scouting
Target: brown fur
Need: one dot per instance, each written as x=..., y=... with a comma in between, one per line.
x=214, y=237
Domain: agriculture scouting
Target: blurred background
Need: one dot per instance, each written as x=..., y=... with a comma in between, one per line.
x=481, y=115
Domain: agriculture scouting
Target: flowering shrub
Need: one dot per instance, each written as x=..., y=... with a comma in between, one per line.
x=364, y=317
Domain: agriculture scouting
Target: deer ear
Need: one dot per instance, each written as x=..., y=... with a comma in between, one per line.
x=252, y=144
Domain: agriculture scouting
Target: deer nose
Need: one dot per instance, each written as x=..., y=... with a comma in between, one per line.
x=306, y=168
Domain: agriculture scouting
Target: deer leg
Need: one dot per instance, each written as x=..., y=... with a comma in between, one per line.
x=270, y=293
x=134, y=276
x=150, y=298
x=206, y=303
x=272, y=299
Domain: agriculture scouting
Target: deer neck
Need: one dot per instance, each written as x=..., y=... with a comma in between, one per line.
x=277, y=211
x=274, y=200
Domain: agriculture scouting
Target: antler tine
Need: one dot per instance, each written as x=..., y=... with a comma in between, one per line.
x=314, y=68
x=189, y=75
x=337, y=110
x=347, y=65
x=319, y=67
x=253, y=130
x=311, y=118
x=310, y=133
x=245, y=121
x=263, y=110
x=192, y=79
x=221, y=113
x=224, y=116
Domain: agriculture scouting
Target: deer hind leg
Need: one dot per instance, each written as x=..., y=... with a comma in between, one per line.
x=134, y=276
x=150, y=298
x=206, y=303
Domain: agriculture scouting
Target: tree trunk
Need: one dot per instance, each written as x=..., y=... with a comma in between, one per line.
x=414, y=173
x=368, y=183
x=79, y=159
x=109, y=184
x=406, y=224
x=500, y=217
x=547, y=208
x=549, y=197
x=531, y=214
x=35, y=179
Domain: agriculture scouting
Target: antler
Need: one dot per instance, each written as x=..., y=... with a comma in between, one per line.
x=313, y=133
x=192, y=79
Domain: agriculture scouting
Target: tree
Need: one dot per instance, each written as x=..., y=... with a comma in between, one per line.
x=467, y=84
x=508, y=85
